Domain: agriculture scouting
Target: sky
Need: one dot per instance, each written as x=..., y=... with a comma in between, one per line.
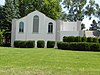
x=2, y=2
x=86, y=21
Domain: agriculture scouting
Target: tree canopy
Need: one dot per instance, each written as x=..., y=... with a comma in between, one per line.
x=77, y=9
x=50, y=8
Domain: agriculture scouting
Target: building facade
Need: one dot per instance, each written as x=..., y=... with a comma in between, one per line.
x=36, y=26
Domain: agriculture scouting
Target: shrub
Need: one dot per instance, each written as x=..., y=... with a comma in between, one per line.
x=63, y=45
x=77, y=39
x=40, y=44
x=72, y=39
x=6, y=44
x=99, y=40
x=30, y=44
x=83, y=39
x=95, y=40
x=89, y=39
x=81, y=46
x=24, y=44
x=80, y=39
x=69, y=39
x=50, y=44
x=16, y=44
x=95, y=47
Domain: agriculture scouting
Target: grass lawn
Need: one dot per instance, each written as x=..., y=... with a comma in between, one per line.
x=16, y=61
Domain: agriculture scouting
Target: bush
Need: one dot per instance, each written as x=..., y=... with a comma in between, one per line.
x=69, y=39
x=83, y=39
x=24, y=44
x=30, y=44
x=89, y=39
x=6, y=45
x=78, y=39
x=50, y=44
x=63, y=45
x=40, y=44
x=99, y=40
x=16, y=44
x=72, y=39
x=81, y=46
x=95, y=47
x=95, y=40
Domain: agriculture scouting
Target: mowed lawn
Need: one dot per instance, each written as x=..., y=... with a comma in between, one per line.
x=17, y=61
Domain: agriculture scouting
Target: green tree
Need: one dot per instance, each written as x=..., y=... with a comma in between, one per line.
x=1, y=36
x=1, y=8
x=50, y=8
x=94, y=25
x=91, y=9
x=1, y=16
x=10, y=12
x=82, y=26
x=75, y=9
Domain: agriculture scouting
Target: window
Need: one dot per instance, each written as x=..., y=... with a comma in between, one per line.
x=21, y=27
x=36, y=24
x=50, y=28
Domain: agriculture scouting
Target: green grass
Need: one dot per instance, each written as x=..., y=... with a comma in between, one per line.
x=16, y=61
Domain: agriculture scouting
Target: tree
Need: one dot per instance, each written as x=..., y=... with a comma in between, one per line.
x=1, y=16
x=1, y=36
x=94, y=25
x=91, y=9
x=82, y=26
x=10, y=12
x=97, y=14
x=50, y=8
x=75, y=9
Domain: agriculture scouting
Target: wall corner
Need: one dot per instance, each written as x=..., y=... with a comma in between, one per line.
x=13, y=32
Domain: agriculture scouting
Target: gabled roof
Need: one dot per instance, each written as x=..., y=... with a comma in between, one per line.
x=36, y=12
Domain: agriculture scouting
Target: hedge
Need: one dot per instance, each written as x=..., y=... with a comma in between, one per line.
x=81, y=46
x=83, y=39
x=68, y=39
x=30, y=44
x=40, y=44
x=72, y=39
x=95, y=40
x=89, y=39
x=50, y=44
x=80, y=39
x=24, y=44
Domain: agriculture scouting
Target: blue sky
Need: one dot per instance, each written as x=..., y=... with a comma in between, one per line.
x=86, y=21
x=2, y=2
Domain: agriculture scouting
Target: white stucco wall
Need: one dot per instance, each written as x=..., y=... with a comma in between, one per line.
x=70, y=26
x=89, y=34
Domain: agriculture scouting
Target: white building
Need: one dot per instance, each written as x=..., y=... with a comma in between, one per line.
x=36, y=26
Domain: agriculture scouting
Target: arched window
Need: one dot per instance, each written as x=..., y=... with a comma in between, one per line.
x=21, y=27
x=36, y=24
x=50, y=27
